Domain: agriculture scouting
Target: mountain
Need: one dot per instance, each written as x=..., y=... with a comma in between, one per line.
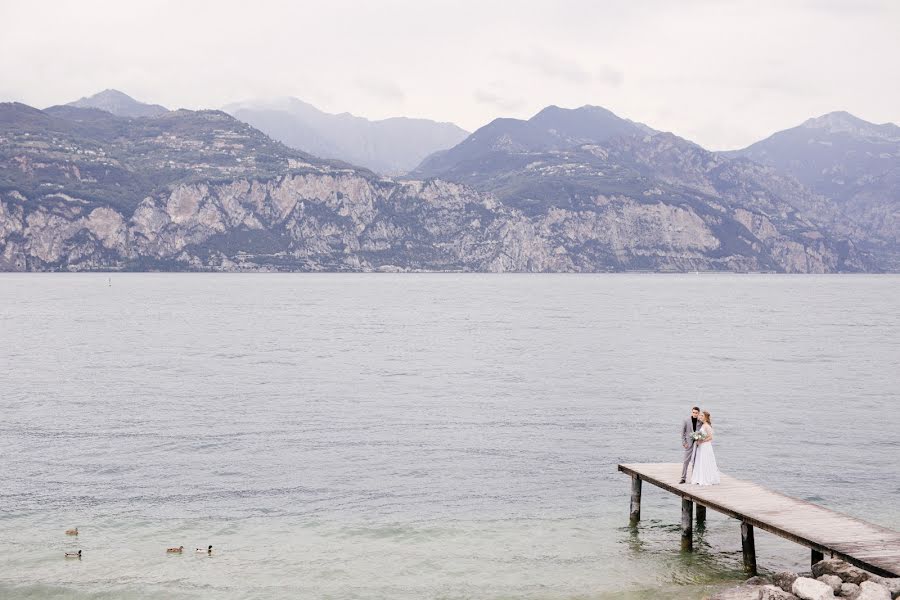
x=390, y=146
x=551, y=129
x=851, y=162
x=589, y=165
x=83, y=189
x=119, y=104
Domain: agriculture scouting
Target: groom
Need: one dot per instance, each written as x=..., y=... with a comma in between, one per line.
x=689, y=426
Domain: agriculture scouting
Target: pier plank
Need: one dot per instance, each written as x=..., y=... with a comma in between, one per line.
x=866, y=545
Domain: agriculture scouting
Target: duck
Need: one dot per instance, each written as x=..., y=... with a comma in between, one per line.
x=207, y=550
x=72, y=531
x=175, y=550
x=73, y=554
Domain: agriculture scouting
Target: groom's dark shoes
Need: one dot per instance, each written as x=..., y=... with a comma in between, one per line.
x=682, y=481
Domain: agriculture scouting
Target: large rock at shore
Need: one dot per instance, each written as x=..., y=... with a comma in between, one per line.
x=849, y=590
x=869, y=590
x=847, y=572
x=810, y=589
x=833, y=580
x=784, y=580
x=772, y=592
x=891, y=583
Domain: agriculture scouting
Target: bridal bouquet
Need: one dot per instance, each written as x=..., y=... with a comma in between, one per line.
x=698, y=435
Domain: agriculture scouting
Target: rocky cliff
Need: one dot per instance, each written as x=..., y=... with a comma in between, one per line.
x=335, y=222
x=310, y=221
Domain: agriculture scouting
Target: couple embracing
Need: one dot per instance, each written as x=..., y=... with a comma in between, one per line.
x=697, y=437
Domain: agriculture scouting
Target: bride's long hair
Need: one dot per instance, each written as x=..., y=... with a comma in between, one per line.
x=707, y=418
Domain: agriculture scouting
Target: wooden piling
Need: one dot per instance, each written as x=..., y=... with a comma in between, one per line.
x=635, y=515
x=701, y=516
x=687, y=534
x=749, y=546
x=815, y=556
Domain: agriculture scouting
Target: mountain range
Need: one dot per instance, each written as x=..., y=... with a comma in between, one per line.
x=588, y=166
x=83, y=189
x=107, y=188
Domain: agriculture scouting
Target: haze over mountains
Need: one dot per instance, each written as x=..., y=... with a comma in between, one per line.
x=389, y=146
x=112, y=183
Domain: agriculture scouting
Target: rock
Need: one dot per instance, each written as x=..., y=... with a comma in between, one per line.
x=891, y=583
x=758, y=580
x=869, y=590
x=849, y=590
x=810, y=589
x=773, y=592
x=847, y=572
x=833, y=580
x=784, y=580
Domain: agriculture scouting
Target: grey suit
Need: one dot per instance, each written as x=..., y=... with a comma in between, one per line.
x=686, y=430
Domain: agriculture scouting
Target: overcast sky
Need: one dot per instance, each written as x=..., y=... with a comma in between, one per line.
x=722, y=73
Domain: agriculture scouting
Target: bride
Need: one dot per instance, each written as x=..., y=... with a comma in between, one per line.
x=705, y=471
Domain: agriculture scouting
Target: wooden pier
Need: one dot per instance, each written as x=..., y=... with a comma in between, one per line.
x=825, y=532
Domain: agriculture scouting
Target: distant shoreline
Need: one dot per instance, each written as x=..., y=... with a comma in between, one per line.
x=491, y=273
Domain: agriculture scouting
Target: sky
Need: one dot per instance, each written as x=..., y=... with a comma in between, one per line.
x=719, y=72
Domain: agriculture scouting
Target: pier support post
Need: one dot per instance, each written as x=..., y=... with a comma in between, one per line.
x=749, y=546
x=815, y=556
x=687, y=517
x=635, y=514
x=701, y=516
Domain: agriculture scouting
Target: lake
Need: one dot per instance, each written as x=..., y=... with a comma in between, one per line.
x=424, y=436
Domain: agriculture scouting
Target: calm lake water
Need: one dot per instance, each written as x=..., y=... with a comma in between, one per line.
x=424, y=436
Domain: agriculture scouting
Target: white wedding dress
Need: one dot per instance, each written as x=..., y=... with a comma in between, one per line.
x=705, y=471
